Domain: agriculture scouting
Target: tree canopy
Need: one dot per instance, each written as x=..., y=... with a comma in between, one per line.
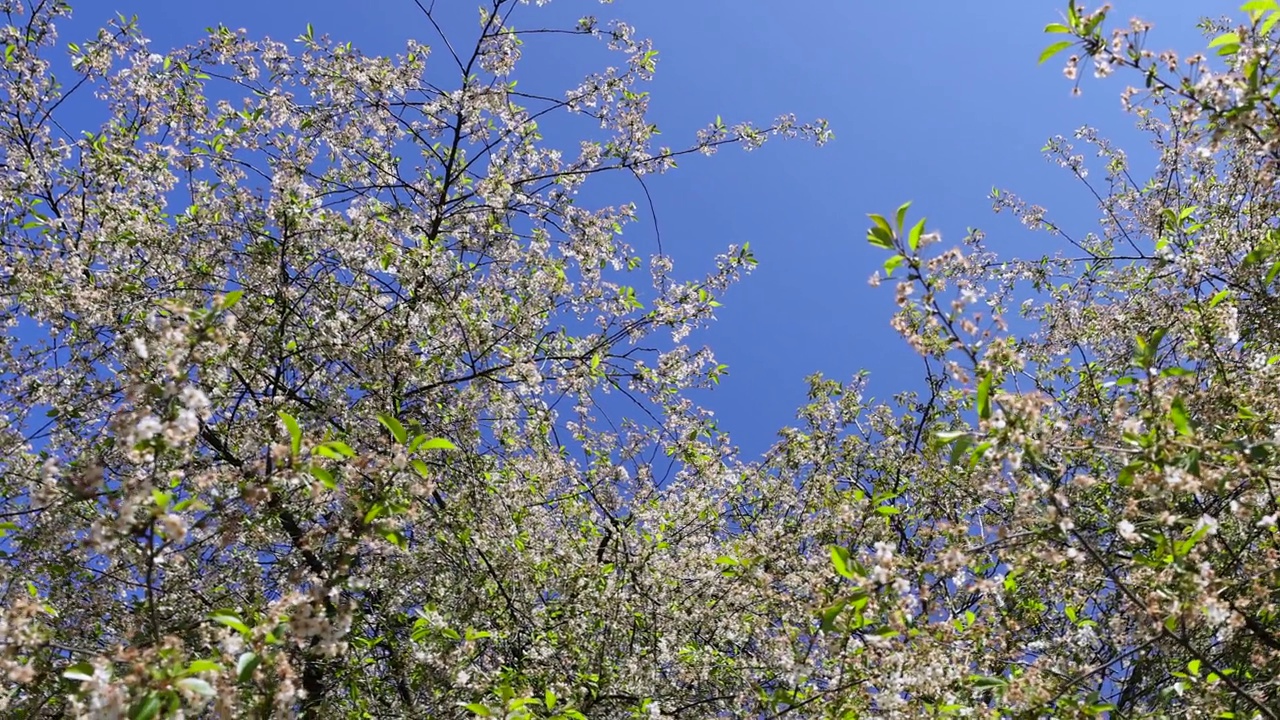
x=302, y=395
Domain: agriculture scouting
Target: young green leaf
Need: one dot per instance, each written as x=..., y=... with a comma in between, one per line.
x=394, y=427
x=880, y=222
x=986, y=682
x=434, y=444
x=324, y=476
x=1229, y=38
x=231, y=619
x=913, y=238
x=880, y=237
x=295, y=432
x=197, y=686
x=336, y=450
x=1181, y=420
x=984, y=397
x=829, y=614
x=79, y=672
x=199, y=666
x=901, y=217
x=147, y=709
x=246, y=664
x=840, y=559
x=1054, y=49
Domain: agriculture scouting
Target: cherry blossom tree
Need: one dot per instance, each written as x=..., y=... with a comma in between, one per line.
x=1079, y=518
x=301, y=387
x=304, y=398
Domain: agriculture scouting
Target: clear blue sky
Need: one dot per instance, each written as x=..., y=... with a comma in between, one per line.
x=932, y=101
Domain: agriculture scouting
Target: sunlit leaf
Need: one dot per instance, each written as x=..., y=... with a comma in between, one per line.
x=295, y=432
x=394, y=427
x=1054, y=49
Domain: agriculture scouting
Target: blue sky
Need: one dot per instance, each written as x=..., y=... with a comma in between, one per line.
x=933, y=102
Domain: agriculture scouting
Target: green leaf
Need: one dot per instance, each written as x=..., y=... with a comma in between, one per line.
x=840, y=559
x=395, y=538
x=79, y=672
x=1178, y=414
x=231, y=619
x=199, y=666
x=147, y=709
x=880, y=237
x=161, y=498
x=984, y=397
x=958, y=449
x=324, y=476
x=420, y=467
x=395, y=427
x=295, y=432
x=1127, y=474
x=197, y=686
x=1092, y=25
x=881, y=223
x=1056, y=28
x=1054, y=49
x=1229, y=38
x=1193, y=666
x=987, y=682
x=1271, y=273
x=888, y=510
x=829, y=614
x=436, y=444
x=892, y=264
x=336, y=450
x=478, y=710
x=913, y=238
x=901, y=216
x=1255, y=257
x=246, y=664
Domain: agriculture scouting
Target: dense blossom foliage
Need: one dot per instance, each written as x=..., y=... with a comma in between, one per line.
x=1099, y=536
x=300, y=387
x=304, y=408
